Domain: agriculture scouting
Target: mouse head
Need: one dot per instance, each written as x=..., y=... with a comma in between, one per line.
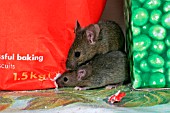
x=84, y=47
x=74, y=78
x=67, y=79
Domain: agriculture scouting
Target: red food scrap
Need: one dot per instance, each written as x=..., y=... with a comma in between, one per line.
x=116, y=97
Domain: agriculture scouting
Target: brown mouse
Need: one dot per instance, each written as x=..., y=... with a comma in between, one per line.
x=94, y=39
x=106, y=69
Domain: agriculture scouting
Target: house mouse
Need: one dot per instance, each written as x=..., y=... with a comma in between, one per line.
x=94, y=39
x=106, y=69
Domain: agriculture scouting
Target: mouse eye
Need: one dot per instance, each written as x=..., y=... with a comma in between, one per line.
x=77, y=54
x=65, y=79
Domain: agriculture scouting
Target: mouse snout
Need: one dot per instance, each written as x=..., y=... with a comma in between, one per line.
x=71, y=65
x=63, y=81
x=59, y=82
x=59, y=85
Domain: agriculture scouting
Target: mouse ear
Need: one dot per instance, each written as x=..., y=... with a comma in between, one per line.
x=92, y=33
x=81, y=74
x=77, y=27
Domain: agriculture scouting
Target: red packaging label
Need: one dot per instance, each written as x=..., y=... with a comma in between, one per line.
x=35, y=37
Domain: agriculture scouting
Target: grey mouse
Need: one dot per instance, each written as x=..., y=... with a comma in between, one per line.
x=94, y=39
x=106, y=69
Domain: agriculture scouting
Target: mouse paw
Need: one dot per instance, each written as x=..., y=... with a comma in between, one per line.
x=80, y=88
x=110, y=86
x=113, y=86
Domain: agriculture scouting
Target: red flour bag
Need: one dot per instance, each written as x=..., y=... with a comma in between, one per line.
x=35, y=36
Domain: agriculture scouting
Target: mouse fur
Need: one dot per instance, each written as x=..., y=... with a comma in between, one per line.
x=106, y=69
x=92, y=40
